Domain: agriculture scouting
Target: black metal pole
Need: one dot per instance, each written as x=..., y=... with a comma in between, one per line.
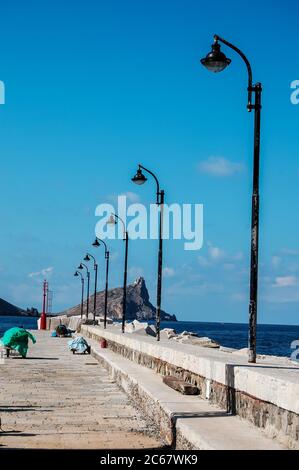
x=125, y=283
x=139, y=179
x=106, y=288
x=95, y=292
x=82, y=296
x=257, y=89
x=160, y=262
x=87, y=300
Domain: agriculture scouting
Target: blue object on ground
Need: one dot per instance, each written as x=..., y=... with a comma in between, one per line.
x=54, y=334
x=79, y=345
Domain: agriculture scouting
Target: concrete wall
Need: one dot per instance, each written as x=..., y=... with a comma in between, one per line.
x=266, y=394
x=73, y=323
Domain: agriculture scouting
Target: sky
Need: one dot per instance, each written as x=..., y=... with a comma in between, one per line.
x=93, y=88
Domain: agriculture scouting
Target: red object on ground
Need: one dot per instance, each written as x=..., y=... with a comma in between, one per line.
x=103, y=343
x=43, y=318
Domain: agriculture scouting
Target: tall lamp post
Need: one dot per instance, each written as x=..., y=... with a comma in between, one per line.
x=140, y=179
x=77, y=274
x=113, y=220
x=95, y=267
x=216, y=61
x=96, y=244
x=82, y=266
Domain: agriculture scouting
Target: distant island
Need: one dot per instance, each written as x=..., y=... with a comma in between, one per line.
x=139, y=306
x=9, y=310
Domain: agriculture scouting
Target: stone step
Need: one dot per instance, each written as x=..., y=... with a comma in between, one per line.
x=184, y=421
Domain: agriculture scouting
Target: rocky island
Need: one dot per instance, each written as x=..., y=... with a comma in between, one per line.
x=139, y=306
x=8, y=310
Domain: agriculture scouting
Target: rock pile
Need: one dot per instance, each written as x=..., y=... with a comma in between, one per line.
x=186, y=337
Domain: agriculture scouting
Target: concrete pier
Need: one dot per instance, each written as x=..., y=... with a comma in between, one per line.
x=57, y=400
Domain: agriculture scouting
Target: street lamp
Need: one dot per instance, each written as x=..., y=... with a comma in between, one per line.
x=216, y=61
x=113, y=221
x=77, y=274
x=82, y=266
x=95, y=267
x=96, y=244
x=140, y=179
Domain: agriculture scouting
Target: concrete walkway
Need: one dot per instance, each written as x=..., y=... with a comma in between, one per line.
x=54, y=399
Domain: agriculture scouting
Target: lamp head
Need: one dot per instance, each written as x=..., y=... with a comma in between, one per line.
x=96, y=243
x=215, y=61
x=80, y=266
x=139, y=178
x=76, y=274
x=87, y=258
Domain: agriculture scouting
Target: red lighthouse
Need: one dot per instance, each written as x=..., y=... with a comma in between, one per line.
x=43, y=318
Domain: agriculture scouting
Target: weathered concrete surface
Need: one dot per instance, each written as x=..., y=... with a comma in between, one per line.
x=185, y=422
x=54, y=399
x=266, y=393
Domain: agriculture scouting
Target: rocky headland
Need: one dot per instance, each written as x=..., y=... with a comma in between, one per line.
x=8, y=310
x=139, y=306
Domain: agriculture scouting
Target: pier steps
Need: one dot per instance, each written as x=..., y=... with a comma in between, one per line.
x=185, y=422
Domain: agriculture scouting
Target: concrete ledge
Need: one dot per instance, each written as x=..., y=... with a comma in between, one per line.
x=267, y=394
x=184, y=422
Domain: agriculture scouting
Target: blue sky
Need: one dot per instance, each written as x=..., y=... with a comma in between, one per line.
x=93, y=88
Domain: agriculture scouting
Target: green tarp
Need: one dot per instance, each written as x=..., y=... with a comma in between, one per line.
x=17, y=338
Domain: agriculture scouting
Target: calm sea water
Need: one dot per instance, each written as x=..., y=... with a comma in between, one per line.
x=272, y=339
x=29, y=323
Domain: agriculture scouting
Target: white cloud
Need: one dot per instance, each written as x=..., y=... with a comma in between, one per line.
x=34, y=274
x=229, y=266
x=239, y=256
x=288, y=252
x=204, y=262
x=220, y=166
x=276, y=261
x=184, y=287
x=168, y=272
x=130, y=195
x=285, y=281
x=44, y=272
x=114, y=255
x=238, y=297
x=215, y=252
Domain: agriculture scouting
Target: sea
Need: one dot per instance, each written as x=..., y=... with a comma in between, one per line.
x=274, y=340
